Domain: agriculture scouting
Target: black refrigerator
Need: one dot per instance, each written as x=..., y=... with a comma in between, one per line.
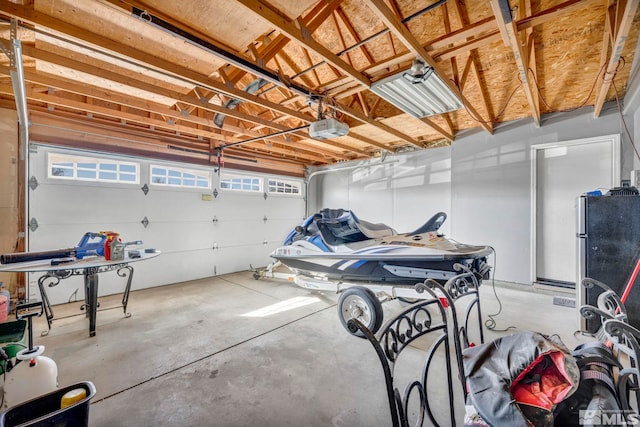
x=608, y=230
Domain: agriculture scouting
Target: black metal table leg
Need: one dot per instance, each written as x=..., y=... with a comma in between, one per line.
x=91, y=298
x=127, y=289
x=48, y=311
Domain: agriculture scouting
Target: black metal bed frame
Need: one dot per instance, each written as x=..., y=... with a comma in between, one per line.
x=439, y=319
x=624, y=339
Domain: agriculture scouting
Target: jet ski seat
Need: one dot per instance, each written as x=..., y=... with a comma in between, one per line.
x=339, y=226
x=433, y=224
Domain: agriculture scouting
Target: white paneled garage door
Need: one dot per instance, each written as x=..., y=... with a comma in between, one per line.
x=200, y=231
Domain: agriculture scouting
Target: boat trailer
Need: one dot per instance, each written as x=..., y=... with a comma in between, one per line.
x=363, y=300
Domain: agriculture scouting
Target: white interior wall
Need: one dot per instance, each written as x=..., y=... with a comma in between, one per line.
x=631, y=103
x=180, y=225
x=488, y=198
x=402, y=191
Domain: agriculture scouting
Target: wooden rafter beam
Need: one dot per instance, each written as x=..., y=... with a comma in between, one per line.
x=348, y=148
x=37, y=18
x=303, y=37
x=144, y=105
x=343, y=44
x=291, y=63
x=511, y=38
x=607, y=39
x=402, y=32
x=465, y=72
x=368, y=120
x=315, y=72
x=354, y=34
x=447, y=28
x=140, y=85
x=472, y=62
x=555, y=12
x=165, y=124
x=472, y=36
x=363, y=104
x=311, y=21
x=531, y=51
x=621, y=33
x=47, y=128
x=372, y=142
x=441, y=131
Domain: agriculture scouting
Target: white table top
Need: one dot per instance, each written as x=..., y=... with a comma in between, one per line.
x=87, y=262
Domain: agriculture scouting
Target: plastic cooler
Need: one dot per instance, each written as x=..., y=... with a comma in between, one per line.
x=46, y=411
x=13, y=337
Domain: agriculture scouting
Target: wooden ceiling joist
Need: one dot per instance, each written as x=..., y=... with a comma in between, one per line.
x=84, y=66
x=67, y=130
x=447, y=28
x=512, y=39
x=156, y=62
x=132, y=117
x=303, y=37
x=621, y=32
x=235, y=93
x=530, y=50
x=447, y=134
x=472, y=63
x=171, y=78
x=555, y=12
x=37, y=18
x=363, y=48
x=311, y=21
x=128, y=101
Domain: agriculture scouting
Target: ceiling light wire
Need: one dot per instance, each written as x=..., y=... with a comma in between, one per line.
x=582, y=104
x=633, y=145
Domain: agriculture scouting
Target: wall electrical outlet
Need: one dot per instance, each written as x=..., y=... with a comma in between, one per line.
x=564, y=301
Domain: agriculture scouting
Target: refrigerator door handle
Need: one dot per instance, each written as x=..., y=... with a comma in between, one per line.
x=581, y=216
x=581, y=234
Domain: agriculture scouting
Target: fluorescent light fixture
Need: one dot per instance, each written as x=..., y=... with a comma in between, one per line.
x=418, y=91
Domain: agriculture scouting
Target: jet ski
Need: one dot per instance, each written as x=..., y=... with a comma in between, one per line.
x=335, y=244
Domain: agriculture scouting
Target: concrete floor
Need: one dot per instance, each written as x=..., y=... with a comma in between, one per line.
x=192, y=354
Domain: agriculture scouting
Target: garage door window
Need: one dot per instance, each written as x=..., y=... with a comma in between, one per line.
x=280, y=186
x=62, y=166
x=179, y=177
x=241, y=183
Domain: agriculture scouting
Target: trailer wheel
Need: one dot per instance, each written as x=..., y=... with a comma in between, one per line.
x=362, y=304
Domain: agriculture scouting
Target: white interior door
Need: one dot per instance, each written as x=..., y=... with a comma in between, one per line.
x=564, y=171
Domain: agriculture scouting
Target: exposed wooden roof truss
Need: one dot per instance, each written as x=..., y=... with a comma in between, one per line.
x=194, y=79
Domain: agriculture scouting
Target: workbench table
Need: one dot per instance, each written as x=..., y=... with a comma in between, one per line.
x=89, y=267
